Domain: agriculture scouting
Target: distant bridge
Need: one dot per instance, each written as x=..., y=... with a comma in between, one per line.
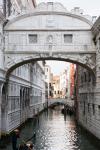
x=63, y=101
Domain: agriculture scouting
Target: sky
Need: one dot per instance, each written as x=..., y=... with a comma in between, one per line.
x=57, y=66
x=90, y=7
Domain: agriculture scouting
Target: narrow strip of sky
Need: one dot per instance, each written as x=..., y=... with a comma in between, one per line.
x=90, y=7
x=57, y=66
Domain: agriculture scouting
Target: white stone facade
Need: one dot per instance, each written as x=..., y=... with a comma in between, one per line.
x=2, y=71
x=89, y=90
x=22, y=6
x=64, y=83
x=13, y=8
x=24, y=95
x=87, y=113
x=26, y=91
x=25, y=98
x=48, y=80
x=49, y=32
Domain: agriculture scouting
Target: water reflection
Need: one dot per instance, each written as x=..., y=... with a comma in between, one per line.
x=58, y=132
x=54, y=131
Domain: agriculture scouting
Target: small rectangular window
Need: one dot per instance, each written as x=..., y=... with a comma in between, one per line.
x=99, y=44
x=99, y=110
x=88, y=108
x=32, y=38
x=93, y=107
x=68, y=38
x=84, y=109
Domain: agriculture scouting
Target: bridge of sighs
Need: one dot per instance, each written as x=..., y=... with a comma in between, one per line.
x=49, y=33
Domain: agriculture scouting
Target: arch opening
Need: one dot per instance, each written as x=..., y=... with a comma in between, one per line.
x=20, y=63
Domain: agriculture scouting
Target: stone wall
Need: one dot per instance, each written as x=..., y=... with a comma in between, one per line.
x=25, y=96
x=86, y=101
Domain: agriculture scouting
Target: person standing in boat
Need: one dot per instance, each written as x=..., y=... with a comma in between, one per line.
x=15, y=136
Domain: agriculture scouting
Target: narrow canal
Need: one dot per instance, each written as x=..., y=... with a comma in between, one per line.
x=56, y=132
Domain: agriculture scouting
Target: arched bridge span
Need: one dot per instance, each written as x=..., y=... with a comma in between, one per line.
x=63, y=101
x=86, y=61
x=49, y=33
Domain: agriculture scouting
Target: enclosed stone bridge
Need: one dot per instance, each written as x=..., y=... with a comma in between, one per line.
x=49, y=33
x=62, y=101
x=56, y=101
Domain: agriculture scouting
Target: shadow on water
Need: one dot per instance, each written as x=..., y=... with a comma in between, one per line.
x=54, y=131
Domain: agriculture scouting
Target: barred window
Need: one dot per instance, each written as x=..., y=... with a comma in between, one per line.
x=88, y=107
x=93, y=107
x=68, y=38
x=99, y=110
x=84, y=109
x=99, y=43
x=32, y=38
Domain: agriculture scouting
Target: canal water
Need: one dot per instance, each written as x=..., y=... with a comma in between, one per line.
x=54, y=131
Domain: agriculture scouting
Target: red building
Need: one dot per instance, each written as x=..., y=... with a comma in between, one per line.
x=72, y=72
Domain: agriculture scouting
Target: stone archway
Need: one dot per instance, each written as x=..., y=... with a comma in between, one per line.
x=22, y=97
x=24, y=103
x=84, y=60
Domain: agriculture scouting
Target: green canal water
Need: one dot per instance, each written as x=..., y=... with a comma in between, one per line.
x=54, y=131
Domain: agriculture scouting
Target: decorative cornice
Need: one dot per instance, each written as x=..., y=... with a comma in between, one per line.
x=57, y=52
x=49, y=30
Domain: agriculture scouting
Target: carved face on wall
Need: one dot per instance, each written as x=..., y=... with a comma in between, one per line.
x=50, y=39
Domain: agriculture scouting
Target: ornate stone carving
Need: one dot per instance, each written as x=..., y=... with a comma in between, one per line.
x=89, y=60
x=10, y=60
x=85, y=59
x=50, y=39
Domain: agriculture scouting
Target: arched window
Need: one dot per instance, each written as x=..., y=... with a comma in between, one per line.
x=85, y=78
x=3, y=96
x=89, y=77
x=81, y=79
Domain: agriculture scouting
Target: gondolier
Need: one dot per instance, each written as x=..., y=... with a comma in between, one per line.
x=15, y=136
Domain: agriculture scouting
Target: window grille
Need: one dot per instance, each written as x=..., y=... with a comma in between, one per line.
x=32, y=38
x=68, y=38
